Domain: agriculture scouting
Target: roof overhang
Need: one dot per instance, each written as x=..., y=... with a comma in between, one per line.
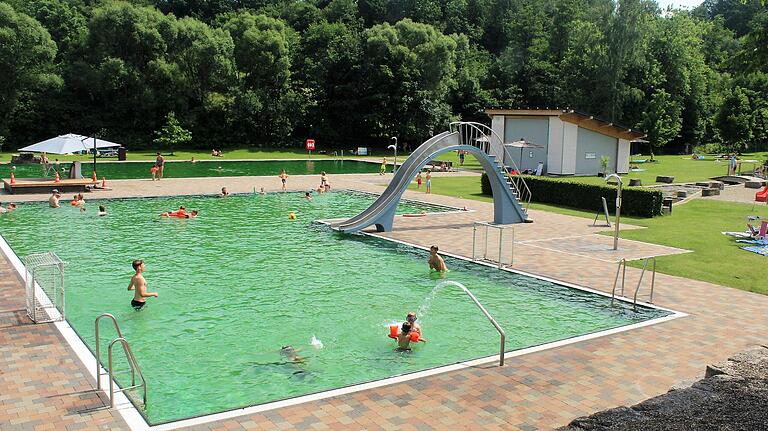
x=580, y=119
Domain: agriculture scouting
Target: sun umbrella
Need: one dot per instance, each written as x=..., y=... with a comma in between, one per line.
x=522, y=143
x=70, y=143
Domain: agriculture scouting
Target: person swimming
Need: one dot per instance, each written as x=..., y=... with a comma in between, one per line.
x=308, y=196
x=291, y=355
x=102, y=211
x=404, y=338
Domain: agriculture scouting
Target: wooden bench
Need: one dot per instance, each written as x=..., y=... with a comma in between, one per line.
x=45, y=185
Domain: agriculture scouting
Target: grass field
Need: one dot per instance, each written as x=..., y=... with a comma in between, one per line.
x=684, y=169
x=694, y=226
x=255, y=154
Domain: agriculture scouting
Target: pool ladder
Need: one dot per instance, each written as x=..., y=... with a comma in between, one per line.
x=128, y=355
x=622, y=270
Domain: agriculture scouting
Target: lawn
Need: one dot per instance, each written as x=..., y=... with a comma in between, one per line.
x=694, y=226
x=683, y=168
x=256, y=154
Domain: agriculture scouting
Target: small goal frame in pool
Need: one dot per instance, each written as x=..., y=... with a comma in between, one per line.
x=136, y=420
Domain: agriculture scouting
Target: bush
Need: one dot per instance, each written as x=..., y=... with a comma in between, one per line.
x=710, y=149
x=637, y=201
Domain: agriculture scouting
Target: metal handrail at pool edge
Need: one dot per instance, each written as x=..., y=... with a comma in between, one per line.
x=128, y=354
x=622, y=268
x=495, y=324
x=134, y=366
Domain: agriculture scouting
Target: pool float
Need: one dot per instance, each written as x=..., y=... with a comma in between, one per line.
x=178, y=214
x=415, y=215
x=74, y=203
x=393, y=333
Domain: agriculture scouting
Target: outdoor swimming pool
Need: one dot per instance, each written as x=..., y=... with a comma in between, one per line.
x=242, y=280
x=211, y=168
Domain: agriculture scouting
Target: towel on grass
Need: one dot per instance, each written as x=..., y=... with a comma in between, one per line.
x=759, y=249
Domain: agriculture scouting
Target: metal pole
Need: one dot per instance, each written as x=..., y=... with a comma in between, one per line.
x=501, y=240
x=618, y=209
x=94, y=153
x=111, y=381
x=474, y=239
x=512, y=254
x=618, y=218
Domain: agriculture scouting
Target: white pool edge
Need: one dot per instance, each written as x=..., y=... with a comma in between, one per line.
x=136, y=421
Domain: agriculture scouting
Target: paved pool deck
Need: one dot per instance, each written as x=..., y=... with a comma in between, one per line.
x=44, y=386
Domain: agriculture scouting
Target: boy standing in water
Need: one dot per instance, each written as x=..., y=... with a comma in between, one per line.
x=435, y=261
x=140, y=286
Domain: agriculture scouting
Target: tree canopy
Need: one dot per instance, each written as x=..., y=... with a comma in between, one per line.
x=240, y=73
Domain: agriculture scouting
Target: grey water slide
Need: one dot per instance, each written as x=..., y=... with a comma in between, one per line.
x=477, y=139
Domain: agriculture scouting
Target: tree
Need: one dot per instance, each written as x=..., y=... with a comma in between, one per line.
x=172, y=135
x=661, y=120
x=26, y=62
x=329, y=72
x=265, y=98
x=624, y=33
x=734, y=121
x=408, y=69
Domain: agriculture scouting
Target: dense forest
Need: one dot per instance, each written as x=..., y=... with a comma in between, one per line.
x=248, y=73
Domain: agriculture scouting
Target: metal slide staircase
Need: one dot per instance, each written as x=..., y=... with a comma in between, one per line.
x=511, y=194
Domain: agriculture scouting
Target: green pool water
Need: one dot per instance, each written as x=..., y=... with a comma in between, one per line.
x=242, y=280
x=214, y=168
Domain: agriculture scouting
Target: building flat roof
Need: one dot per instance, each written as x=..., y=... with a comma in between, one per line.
x=572, y=116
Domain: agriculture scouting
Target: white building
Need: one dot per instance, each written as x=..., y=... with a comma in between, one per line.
x=572, y=143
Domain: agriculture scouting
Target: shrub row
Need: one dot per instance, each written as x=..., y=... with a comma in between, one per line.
x=637, y=201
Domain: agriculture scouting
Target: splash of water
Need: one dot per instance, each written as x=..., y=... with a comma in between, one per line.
x=315, y=342
x=423, y=309
x=427, y=302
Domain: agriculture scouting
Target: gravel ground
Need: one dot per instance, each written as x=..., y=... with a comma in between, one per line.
x=732, y=396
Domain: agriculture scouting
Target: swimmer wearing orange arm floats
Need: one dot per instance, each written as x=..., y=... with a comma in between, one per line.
x=180, y=213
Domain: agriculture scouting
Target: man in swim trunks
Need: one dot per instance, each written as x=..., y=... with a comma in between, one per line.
x=139, y=285
x=160, y=164
x=53, y=201
x=435, y=261
x=224, y=192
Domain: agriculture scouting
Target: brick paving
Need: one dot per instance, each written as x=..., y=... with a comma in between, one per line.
x=44, y=386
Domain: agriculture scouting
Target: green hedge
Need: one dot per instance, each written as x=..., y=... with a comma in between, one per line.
x=637, y=201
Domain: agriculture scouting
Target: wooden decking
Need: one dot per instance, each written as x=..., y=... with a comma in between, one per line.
x=45, y=185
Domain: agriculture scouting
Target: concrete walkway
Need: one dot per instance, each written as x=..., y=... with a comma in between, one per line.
x=44, y=386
